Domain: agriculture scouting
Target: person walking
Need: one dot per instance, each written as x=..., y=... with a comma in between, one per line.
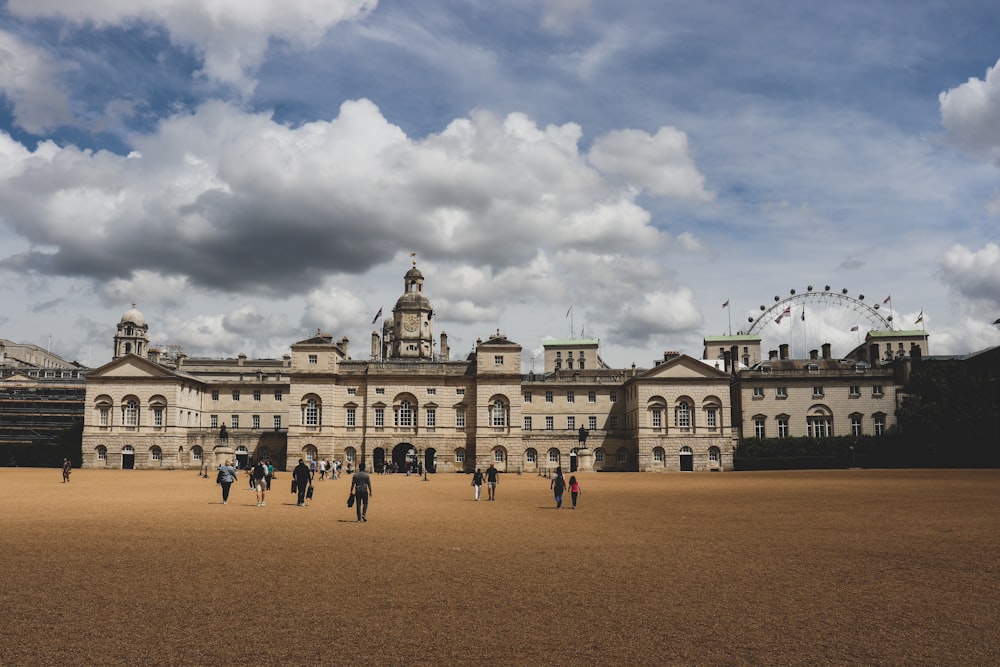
x=67, y=469
x=270, y=473
x=302, y=476
x=574, y=489
x=361, y=487
x=227, y=475
x=477, y=481
x=260, y=481
x=558, y=486
x=491, y=481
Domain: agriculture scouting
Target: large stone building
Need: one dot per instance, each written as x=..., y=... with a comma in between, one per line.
x=407, y=404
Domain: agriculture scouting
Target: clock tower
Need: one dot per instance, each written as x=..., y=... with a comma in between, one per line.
x=412, y=333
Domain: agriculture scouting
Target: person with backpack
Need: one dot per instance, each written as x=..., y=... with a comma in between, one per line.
x=260, y=481
x=558, y=486
x=226, y=477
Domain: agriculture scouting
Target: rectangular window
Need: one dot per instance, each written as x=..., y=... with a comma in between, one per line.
x=879, y=424
x=613, y=422
x=277, y=422
x=657, y=418
x=380, y=391
x=570, y=397
x=592, y=423
x=431, y=417
x=431, y=391
x=236, y=394
x=256, y=422
x=234, y=421
x=613, y=396
x=855, y=390
x=712, y=417
x=549, y=423
x=782, y=427
x=819, y=427
x=530, y=456
x=817, y=392
x=758, y=428
x=527, y=423
x=599, y=456
x=758, y=392
x=527, y=397
x=592, y=397
x=313, y=359
x=215, y=394
x=379, y=417
x=102, y=453
x=553, y=456
x=877, y=390
x=277, y=394
x=157, y=416
x=256, y=395
x=213, y=421
x=460, y=418
x=498, y=360
x=105, y=415
x=781, y=392
x=855, y=425
x=352, y=391
x=548, y=397
x=571, y=423
x=351, y=417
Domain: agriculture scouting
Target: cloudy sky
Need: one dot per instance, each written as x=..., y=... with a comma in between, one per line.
x=250, y=171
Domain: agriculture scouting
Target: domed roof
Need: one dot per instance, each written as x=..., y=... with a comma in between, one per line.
x=414, y=273
x=134, y=316
x=413, y=301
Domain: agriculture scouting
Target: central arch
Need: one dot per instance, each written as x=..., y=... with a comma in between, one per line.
x=404, y=456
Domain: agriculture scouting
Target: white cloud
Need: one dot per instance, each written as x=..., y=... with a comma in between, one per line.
x=658, y=312
x=231, y=35
x=31, y=79
x=971, y=114
x=660, y=163
x=974, y=274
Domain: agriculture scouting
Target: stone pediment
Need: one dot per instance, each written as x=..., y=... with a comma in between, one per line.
x=18, y=377
x=683, y=366
x=131, y=366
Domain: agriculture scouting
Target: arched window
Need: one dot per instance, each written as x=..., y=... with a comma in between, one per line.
x=310, y=412
x=155, y=453
x=196, y=453
x=459, y=455
x=350, y=454
x=309, y=453
x=498, y=455
x=130, y=413
x=553, y=455
x=499, y=413
x=714, y=454
x=658, y=455
x=598, y=455
x=404, y=413
x=102, y=453
x=531, y=456
x=682, y=415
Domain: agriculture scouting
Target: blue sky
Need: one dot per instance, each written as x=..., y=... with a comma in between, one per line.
x=254, y=172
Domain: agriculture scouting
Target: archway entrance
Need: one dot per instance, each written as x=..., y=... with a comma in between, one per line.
x=404, y=457
x=378, y=460
x=128, y=457
x=687, y=459
x=430, y=460
x=572, y=461
x=242, y=457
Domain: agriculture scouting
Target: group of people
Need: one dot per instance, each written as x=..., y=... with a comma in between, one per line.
x=491, y=477
x=559, y=486
x=334, y=468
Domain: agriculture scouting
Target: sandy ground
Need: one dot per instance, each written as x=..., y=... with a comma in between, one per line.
x=790, y=568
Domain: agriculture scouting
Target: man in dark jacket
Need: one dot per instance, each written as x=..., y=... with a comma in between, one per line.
x=303, y=477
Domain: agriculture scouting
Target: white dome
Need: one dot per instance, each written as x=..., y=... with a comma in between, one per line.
x=134, y=316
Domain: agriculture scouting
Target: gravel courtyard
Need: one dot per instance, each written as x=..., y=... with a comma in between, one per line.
x=860, y=567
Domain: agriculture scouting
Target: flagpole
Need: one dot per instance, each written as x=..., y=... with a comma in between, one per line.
x=729, y=312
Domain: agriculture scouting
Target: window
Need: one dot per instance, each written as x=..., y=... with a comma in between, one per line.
x=460, y=391
x=758, y=392
x=855, y=390
x=599, y=456
x=527, y=397
x=380, y=391
x=817, y=392
x=350, y=455
x=570, y=397
x=104, y=416
x=277, y=422
x=102, y=453
x=277, y=394
x=658, y=455
x=352, y=391
x=592, y=397
x=591, y=423
x=548, y=397
x=819, y=427
x=622, y=456
x=379, y=417
x=714, y=454
x=657, y=416
x=157, y=416
x=215, y=394
x=313, y=359
x=404, y=414
x=255, y=421
x=553, y=456
x=879, y=420
x=782, y=427
x=781, y=392
x=877, y=390
x=310, y=413
x=352, y=417
x=758, y=428
x=431, y=391
x=549, y=423
x=683, y=415
x=498, y=360
x=431, y=417
x=812, y=368
x=712, y=417
x=531, y=456
x=234, y=421
x=130, y=416
x=855, y=425
x=460, y=418
x=213, y=421
x=498, y=456
x=155, y=453
x=571, y=423
x=527, y=423
x=256, y=395
x=499, y=414
x=613, y=422
x=613, y=396
x=459, y=455
x=236, y=394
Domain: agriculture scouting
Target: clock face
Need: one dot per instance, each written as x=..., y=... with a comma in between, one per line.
x=411, y=322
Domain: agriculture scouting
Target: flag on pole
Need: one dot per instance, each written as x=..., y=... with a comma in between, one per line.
x=787, y=312
x=920, y=318
x=886, y=299
x=377, y=315
x=569, y=311
x=854, y=328
x=726, y=304
x=997, y=322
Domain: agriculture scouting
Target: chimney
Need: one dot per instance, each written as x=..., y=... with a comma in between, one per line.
x=242, y=359
x=873, y=355
x=375, y=344
x=180, y=359
x=772, y=355
x=670, y=354
x=814, y=354
x=726, y=359
x=783, y=351
x=286, y=360
x=444, y=350
x=915, y=353
x=826, y=351
x=343, y=345
x=154, y=355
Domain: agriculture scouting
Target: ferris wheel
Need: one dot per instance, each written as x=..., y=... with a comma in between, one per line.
x=806, y=320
